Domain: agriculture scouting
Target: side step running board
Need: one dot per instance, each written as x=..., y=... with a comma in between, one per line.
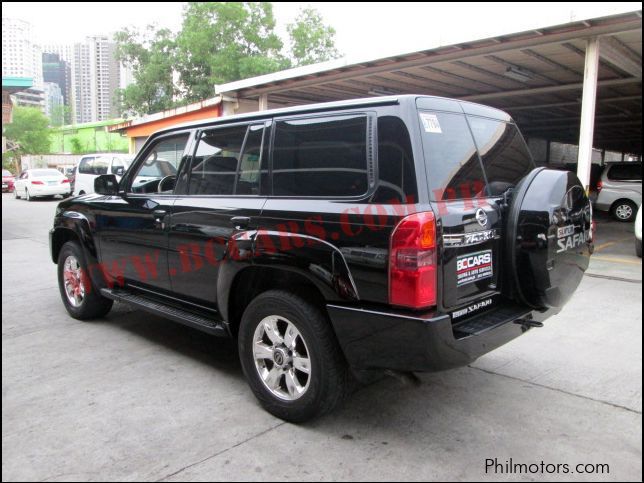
x=168, y=311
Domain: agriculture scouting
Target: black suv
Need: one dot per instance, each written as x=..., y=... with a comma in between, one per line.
x=411, y=233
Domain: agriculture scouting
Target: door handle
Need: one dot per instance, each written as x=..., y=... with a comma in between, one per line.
x=240, y=222
x=159, y=216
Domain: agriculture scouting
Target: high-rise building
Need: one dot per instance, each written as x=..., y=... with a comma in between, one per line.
x=95, y=76
x=59, y=72
x=105, y=75
x=82, y=80
x=54, y=103
x=21, y=57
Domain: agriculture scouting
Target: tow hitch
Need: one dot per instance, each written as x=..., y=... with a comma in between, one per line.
x=527, y=323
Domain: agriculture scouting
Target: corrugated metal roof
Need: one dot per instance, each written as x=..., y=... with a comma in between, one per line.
x=545, y=98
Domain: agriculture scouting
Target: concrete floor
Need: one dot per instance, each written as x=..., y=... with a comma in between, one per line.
x=135, y=397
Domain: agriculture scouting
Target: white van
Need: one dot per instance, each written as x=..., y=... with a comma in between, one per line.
x=91, y=166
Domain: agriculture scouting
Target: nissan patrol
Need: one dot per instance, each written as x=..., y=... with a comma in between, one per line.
x=407, y=233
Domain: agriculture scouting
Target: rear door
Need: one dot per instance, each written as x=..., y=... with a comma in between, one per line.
x=225, y=195
x=472, y=162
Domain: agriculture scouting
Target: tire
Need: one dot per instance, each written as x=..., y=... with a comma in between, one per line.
x=624, y=211
x=638, y=247
x=327, y=382
x=27, y=195
x=89, y=304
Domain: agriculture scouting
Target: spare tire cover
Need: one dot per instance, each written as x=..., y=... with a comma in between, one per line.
x=549, y=238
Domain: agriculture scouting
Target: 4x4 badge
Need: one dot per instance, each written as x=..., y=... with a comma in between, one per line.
x=481, y=217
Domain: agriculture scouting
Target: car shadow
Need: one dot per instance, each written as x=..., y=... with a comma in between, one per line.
x=367, y=402
x=219, y=353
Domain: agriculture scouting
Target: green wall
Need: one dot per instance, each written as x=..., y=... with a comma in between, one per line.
x=92, y=138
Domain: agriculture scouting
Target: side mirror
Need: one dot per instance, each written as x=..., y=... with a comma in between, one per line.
x=106, y=184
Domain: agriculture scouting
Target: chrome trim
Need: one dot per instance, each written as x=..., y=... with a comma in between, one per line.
x=470, y=239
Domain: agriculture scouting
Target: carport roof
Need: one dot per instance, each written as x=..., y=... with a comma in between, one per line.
x=542, y=89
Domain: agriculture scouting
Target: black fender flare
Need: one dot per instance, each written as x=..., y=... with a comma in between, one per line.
x=316, y=260
x=78, y=224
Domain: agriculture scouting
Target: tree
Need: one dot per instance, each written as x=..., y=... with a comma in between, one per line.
x=219, y=42
x=151, y=56
x=77, y=146
x=225, y=41
x=28, y=132
x=310, y=40
x=58, y=115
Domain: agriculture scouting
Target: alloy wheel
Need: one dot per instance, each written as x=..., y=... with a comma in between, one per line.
x=73, y=280
x=624, y=212
x=281, y=358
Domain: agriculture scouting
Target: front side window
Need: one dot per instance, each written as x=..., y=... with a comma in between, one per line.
x=161, y=161
x=325, y=157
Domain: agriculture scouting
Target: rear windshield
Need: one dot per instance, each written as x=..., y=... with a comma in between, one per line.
x=461, y=166
x=625, y=172
x=41, y=173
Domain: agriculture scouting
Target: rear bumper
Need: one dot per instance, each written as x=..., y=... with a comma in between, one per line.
x=373, y=339
x=36, y=190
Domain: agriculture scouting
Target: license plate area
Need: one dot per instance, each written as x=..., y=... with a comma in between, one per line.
x=473, y=267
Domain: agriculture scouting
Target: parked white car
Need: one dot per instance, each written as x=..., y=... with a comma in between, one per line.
x=91, y=166
x=33, y=183
x=620, y=190
x=638, y=232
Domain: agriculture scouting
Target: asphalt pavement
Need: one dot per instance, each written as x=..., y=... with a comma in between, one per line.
x=135, y=397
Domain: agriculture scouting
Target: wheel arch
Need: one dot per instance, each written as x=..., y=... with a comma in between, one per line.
x=254, y=280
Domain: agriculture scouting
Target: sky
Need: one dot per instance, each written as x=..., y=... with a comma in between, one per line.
x=363, y=30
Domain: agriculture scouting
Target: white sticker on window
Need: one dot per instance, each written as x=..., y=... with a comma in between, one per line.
x=430, y=123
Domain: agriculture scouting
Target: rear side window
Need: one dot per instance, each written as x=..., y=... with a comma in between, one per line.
x=453, y=166
x=86, y=166
x=325, y=157
x=504, y=154
x=215, y=163
x=396, y=172
x=625, y=172
x=252, y=173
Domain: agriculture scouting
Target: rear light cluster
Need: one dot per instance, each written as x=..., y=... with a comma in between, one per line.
x=65, y=180
x=37, y=182
x=412, y=262
x=600, y=185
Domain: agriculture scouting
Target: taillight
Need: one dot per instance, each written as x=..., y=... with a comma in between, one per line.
x=37, y=182
x=600, y=185
x=412, y=262
x=65, y=180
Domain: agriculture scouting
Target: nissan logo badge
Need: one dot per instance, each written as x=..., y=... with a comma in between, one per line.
x=481, y=217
